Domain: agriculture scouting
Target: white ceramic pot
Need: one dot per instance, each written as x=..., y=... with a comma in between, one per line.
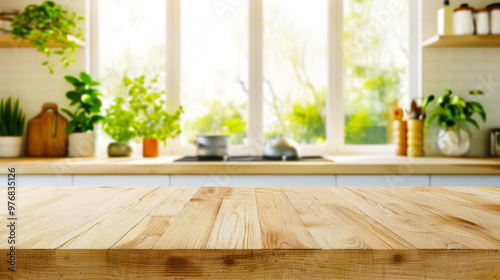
x=495, y=19
x=463, y=20
x=482, y=21
x=454, y=141
x=11, y=146
x=81, y=144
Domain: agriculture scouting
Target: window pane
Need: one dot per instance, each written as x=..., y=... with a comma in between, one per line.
x=214, y=68
x=296, y=69
x=376, y=43
x=132, y=38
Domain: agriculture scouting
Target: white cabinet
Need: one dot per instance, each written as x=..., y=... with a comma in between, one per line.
x=254, y=180
x=250, y=181
x=44, y=180
x=465, y=181
x=383, y=181
x=121, y=180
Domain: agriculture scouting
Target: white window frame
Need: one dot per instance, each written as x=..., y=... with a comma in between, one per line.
x=335, y=140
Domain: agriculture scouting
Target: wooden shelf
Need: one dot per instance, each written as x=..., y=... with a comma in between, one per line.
x=7, y=41
x=463, y=41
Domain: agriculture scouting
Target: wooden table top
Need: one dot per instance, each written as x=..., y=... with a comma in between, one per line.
x=256, y=218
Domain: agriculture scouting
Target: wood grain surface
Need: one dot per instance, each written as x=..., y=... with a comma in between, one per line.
x=255, y=233
x=46, y=133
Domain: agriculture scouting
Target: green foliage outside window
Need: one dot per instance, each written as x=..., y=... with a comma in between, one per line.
x=221, y=119
x=371, y=88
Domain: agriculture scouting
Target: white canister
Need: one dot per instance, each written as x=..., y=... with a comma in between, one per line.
x=463, y=20
x=81, y=144
x=495, y=18
x=11, y=146
x=482, y=21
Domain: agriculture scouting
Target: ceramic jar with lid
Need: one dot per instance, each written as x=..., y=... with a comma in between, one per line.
x=7, y=17
x=463, y=20
x=494, y=17
x=482, y=21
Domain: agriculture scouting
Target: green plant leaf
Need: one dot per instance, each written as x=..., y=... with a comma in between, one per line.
x=70, y=128
x=426, y=102
x=478, y=108
x=85, y=78
x=68, y=113
x=473, y=122
x=443, y=101
x=476, y=92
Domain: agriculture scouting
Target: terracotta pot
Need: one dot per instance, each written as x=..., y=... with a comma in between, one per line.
x=150, y=148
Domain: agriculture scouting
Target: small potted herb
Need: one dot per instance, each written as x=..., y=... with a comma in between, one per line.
x=454, y=114
x=151, y=122
x=48, y=23
x=118, y=124
x=12, y=122
x=81, y=139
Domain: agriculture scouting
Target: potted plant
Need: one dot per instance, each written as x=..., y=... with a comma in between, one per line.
x=81, y=139
x=453, y=114
x=46, y=24
x=151, y=120
x=118, y=124
x=12, y=122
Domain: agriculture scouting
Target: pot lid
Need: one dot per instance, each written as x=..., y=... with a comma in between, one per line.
x=481, y=10
x=493, y=6
x=464, y=7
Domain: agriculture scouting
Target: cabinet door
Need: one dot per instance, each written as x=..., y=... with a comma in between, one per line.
x=465, y=181
x=382, y=181
x=121, y=180
x=251, y=181
x=44, y=180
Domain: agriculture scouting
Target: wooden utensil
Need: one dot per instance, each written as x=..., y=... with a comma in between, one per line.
x=47, y=133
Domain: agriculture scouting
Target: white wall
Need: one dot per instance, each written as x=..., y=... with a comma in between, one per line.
x=461, y=70
x=23, y=77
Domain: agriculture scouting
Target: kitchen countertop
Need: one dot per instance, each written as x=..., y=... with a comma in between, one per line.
x=341, y=165
x=259, y=233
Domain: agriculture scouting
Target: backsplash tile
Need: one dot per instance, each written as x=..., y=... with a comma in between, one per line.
x=462, y=70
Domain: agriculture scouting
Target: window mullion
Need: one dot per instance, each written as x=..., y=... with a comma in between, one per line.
x=335, y=109
x=173, y=65
x=255, y=101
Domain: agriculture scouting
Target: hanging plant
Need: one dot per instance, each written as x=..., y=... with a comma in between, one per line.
x=49, y=23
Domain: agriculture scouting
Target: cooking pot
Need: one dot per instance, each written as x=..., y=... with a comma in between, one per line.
x=212, y=147
x=281, y=148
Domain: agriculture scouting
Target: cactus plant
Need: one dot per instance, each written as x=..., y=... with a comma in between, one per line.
x=12, y=119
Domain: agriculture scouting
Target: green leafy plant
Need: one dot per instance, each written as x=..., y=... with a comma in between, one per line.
x=86, y=97
x=151, y=119
x=118, y=122
x=454, y=111
x=48, y=23
x=12, y=118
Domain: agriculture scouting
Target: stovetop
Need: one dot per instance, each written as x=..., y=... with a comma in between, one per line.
x=250, y=159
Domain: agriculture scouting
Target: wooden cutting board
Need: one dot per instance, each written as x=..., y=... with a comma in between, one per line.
x=47, y=133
